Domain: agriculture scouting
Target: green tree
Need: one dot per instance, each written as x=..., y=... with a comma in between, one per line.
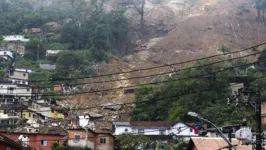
x=35, y=48
x=56, y=146
x=197, y=89
x=224, y=49
x=261, y=64
x=130, y=141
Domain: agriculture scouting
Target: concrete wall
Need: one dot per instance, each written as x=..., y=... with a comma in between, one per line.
x=20, y=75
x=122, y=129
x=90, y=143
x=4, y=146
x=182, y=129
x=36, y=139
x=109, y=145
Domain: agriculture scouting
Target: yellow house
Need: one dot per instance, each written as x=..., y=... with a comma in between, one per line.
x=30, y=115
x=56, y=115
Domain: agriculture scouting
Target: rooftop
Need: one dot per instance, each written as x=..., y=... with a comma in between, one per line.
x=150, y=124
x=203, y=143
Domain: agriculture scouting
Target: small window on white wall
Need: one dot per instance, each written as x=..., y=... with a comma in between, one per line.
x=126, y=130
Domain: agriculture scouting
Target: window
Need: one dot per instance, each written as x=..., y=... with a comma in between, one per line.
x=43, y=143
x=29, y=114
x=141, y=131
x=76, y=138
x=28, y=89
x=24, y=74
x=10, y=90
x=102, y=140
x=162, y=132
x=126, y=130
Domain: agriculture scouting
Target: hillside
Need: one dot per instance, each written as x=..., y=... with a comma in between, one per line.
x=195, y=29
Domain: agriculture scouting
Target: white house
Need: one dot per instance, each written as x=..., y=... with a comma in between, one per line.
x=10, y=89
x=20, y=74
x=6, y=54
x=40, y=108
x=53, y=52
x=154, y=128
x=122, y=127
x=14, y=38
x=182, y=129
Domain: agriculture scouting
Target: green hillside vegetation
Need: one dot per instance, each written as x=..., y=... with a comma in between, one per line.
x=91, y=34
x=189, y=91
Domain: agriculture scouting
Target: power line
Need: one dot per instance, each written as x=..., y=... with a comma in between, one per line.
x=179, y=70
x=201, y=66
x=166, y=65
x=164, y=98
x=134, y=133
x=153, y=83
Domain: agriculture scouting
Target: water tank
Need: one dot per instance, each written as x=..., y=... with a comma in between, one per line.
x=244, y=134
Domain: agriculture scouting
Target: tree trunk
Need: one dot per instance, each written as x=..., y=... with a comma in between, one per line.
x=258, y=12
x=263, y=16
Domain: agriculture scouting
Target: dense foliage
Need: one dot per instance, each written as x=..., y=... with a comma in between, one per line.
x=88, y=32
x=130, y=141
x=203, y=90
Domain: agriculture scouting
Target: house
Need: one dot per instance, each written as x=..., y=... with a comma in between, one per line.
x=32, y=30
x=42, y=140
x=9, y=89
x=93, y=140
x=19, y=76
x=53, y=52
x=203, y=143
x=182, y=129
x=9, y=144
x=228, y=131
x=45, y=110
x=8, y=118
x=6, y=54
x=47, y=66
x=58, y=88
x=15, y=38
x=54, y=25
x=14, y=46
x=142, y=127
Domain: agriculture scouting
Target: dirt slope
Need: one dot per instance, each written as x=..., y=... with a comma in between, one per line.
x=196, y=29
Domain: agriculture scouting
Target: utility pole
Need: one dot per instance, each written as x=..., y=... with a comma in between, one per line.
x=38, y=53
x=258, y=119
x=248, y=96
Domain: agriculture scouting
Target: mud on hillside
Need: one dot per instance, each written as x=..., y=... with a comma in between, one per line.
x=190, y=30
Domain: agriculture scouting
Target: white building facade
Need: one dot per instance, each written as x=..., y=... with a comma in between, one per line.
x=154, y=128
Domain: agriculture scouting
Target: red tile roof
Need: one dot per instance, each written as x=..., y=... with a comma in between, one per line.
x=216, y=143
x=150, y=124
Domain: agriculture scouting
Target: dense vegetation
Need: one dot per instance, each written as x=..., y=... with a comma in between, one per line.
x=91, y=34
x=189, y=91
